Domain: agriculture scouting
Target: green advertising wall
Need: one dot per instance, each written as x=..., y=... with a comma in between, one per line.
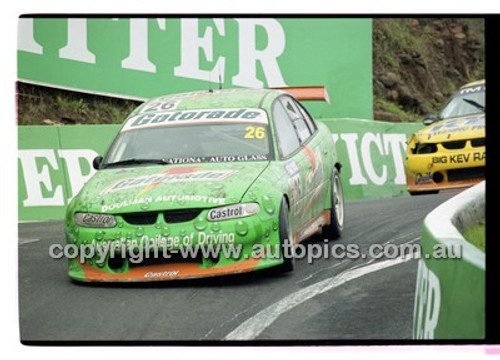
x=53, y=164
x=55, y=161
x=141, y=58
x=372, y=154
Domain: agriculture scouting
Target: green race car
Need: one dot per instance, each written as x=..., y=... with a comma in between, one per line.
x=207, y=183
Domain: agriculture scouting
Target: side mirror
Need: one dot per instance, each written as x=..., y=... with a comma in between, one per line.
x=429, y=119
x=96, y=164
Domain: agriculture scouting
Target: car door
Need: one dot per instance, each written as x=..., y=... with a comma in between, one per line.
x=301, y=156
x=314, y=185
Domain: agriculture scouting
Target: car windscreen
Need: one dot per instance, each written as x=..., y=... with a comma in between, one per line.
x=188, y=139
x=466, y=101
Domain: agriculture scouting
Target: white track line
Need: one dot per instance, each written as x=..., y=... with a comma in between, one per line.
x=399, y=237
x=254, y=326
x=23, y=241
x=321, y=270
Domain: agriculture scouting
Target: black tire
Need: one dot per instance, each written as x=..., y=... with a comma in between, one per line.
x=285, y=240
x=428, y=192
x=337, y=212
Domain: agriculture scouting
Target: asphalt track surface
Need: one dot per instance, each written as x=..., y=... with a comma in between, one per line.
x=328, y=299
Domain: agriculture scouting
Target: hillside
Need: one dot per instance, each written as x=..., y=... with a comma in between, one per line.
x=417, y=64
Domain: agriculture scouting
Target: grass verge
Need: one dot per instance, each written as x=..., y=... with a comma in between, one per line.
x=476, y=235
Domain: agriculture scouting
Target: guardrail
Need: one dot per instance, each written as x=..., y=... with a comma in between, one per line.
x=450, y=290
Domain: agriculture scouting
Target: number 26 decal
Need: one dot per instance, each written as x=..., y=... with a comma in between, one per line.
x=255, y=132
x=160, y=106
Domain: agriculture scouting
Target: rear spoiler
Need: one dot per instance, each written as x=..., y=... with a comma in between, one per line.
x=307, y=93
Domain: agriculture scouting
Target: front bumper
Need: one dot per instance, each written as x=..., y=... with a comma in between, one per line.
x=243, y=233
x=445, y=169
x=87, y=273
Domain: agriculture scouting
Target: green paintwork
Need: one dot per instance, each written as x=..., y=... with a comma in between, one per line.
x=228, y=191
x=144, y=189
x=225, y=98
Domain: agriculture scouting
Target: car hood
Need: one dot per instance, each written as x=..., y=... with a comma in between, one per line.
x=460, y=128
x=166, y=187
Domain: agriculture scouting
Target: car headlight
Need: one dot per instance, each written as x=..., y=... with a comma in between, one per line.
x=233, y=211
x=95, y=220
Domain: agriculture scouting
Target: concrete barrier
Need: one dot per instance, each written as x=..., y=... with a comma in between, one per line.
x=450, y=289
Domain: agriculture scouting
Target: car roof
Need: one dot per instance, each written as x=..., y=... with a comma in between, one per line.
x=474, y=83
x=220, y=98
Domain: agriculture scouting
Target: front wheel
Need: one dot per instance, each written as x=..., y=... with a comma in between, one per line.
x=334, y=230
x=286, y=242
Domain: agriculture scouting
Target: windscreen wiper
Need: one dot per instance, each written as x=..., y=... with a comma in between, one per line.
x=135, y=161
x=474, y=103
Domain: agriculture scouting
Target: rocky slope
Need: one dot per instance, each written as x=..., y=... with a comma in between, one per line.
x=418, y=63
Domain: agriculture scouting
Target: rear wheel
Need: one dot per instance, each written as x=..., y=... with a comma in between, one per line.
x=286, y=242
x=334, y=230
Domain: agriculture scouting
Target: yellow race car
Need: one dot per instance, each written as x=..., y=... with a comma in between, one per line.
x=450, y=151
